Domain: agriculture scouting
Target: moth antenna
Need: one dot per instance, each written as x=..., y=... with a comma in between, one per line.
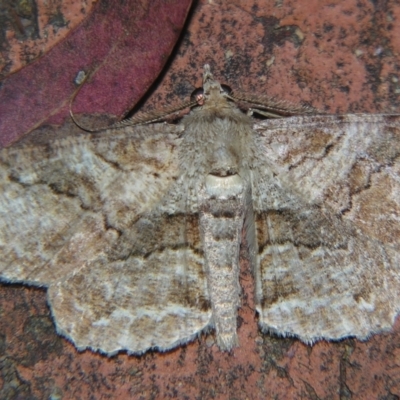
x=149, y=117
x=140, y=119
x=77, y=90
x=272, y=108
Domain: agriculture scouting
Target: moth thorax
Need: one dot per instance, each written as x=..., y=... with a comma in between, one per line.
x=223, y=162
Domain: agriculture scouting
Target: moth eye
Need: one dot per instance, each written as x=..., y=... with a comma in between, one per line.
x=226, y=89
x=197, y=95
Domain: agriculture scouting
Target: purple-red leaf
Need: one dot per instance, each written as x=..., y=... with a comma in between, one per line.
x=126, y=44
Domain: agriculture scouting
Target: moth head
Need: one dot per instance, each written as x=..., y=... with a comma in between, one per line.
x=212, y=90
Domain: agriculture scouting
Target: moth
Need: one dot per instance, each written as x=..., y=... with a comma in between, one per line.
x=136, y=231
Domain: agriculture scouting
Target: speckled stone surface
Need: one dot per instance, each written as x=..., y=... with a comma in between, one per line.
x=339, y=56
x=31, y=28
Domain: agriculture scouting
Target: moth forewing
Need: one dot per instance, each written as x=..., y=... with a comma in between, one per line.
x=329, y=245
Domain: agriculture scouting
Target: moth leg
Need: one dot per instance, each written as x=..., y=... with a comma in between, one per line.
x=251, y=111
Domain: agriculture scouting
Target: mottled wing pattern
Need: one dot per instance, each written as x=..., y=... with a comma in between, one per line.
x=327, y=218
x=80, y=216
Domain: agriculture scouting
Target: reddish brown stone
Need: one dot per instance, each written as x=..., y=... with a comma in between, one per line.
x=31, y=28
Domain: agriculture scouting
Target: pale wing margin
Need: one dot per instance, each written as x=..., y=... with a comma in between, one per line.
x=68, y=206
x=328, y=231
